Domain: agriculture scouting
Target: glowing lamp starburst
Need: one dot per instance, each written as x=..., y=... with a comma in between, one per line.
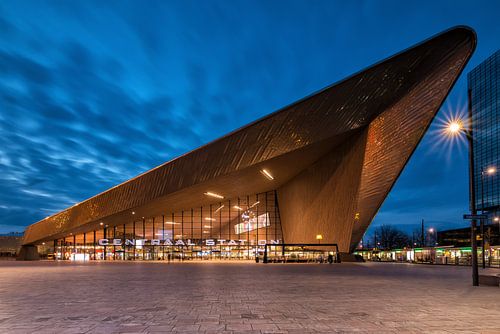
x=454, y=127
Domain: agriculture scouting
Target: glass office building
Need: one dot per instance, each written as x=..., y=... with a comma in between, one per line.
x=484, y=90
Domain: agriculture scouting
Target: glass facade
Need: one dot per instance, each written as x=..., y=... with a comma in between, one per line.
x=230, y=229
x=484, y=90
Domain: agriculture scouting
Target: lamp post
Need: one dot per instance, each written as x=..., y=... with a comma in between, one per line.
x=422, y=236
x=455, y=128
x=432, y=241
x=497, y=220
x=433, y=232
x=485, y=172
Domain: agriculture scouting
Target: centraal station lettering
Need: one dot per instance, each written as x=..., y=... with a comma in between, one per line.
x=180, y=242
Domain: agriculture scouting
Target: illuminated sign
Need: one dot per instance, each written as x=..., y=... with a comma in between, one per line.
x=181, y=242
x=251, y=222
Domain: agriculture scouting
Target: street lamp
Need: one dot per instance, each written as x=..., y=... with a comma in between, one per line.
x=433, y=243
x=485, y=172
x=432, y=231
x=454, y=128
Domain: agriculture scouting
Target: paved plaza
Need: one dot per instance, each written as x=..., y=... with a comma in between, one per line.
x=119, y=297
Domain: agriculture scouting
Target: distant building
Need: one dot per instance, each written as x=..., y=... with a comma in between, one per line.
x=10, y=244
x=461, y=237
x=484, y=90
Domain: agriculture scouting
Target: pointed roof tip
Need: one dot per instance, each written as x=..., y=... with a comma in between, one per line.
x=464, y=28
x=466, y=31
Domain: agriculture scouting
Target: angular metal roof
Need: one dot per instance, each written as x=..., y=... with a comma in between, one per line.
x=406, y=89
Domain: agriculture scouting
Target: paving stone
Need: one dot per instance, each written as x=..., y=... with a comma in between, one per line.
x=242, y=297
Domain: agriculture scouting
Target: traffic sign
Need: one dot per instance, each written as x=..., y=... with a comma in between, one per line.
x=468, y=216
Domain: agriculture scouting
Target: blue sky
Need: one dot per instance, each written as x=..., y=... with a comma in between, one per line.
x=93, y=93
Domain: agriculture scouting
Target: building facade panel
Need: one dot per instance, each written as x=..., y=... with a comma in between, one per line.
x=322, y=199
x=395, y=134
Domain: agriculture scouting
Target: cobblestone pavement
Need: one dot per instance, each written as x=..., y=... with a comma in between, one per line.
x=47, y=297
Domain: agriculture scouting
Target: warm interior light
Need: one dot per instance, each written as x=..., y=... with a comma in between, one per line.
x=491, y=170
x=218, y=209
x=210, y=219
x=207, y=226
x=237, y=207
x=267, y=174
x=206, y=232
x=254, y=204
x=319, y=237
x=431, y=230
x=496, y=219
x=172, y=223
x=101, y=223
x=208, y=193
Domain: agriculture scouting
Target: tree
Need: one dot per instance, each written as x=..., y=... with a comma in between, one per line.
x=391, y=238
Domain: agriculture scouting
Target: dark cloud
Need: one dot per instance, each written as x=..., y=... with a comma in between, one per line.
x=15, y=66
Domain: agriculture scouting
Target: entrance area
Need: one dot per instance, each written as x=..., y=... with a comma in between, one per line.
x=231, y=229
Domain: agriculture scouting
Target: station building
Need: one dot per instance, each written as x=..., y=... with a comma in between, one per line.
x=314, y=172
